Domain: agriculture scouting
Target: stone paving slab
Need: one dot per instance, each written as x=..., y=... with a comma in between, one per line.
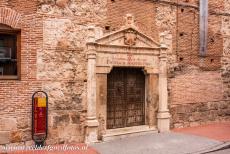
x=161, y=143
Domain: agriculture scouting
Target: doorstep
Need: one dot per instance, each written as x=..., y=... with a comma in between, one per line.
x=120, y=133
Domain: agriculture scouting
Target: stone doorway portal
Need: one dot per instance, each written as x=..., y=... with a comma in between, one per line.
x=115, y=105
x=125, y=97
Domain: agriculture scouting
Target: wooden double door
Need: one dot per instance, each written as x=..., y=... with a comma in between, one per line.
x=125, y=98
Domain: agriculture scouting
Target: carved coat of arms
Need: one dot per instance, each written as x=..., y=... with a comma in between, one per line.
x=130, y=38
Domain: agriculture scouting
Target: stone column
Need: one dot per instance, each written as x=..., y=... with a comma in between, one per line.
x=163, y=115
x=91, y=120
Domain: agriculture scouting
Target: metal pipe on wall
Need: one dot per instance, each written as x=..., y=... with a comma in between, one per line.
x=203, y=27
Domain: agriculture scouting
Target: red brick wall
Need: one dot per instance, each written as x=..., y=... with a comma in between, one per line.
x=188, y=35
x=197, y=96
x=196, y=86
x=18, y=91
x=143, y=11
x=3, y=3
x=193, y=86
x=23, y=6
x=15, y=95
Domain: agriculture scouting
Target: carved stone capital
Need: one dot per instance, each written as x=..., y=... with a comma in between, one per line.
x=91, y=33
x=91, y=55
x=150, y=70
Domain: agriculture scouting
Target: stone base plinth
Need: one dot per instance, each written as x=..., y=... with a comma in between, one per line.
x=91, y=131
x=163, y=121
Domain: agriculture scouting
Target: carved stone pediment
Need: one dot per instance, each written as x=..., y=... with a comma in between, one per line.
x=127, y=47
x=128, y=36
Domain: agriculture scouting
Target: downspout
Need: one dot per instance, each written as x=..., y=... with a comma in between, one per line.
x=203, y=27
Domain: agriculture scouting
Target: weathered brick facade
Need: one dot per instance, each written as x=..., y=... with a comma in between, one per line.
x=53, y=59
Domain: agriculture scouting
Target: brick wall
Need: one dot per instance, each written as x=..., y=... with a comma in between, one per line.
x=188, y=35
x=23, y=6
x=143, y=11
x=191, y=81
x=15, y=95
x=195, y=86
x=226, y=50
x=3, y=3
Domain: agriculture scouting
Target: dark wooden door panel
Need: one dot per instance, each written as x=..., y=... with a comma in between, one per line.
x=125, y=100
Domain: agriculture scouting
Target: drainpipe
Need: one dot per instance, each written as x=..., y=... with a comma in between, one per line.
x=203, y=27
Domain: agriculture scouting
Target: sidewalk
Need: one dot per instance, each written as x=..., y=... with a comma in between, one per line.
x=217, y=131
x=193, y=140
x=159, y=143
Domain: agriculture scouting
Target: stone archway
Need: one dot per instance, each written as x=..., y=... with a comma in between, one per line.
x=126, y=48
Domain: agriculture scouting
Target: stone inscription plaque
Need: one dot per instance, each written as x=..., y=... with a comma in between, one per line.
x=125, y=60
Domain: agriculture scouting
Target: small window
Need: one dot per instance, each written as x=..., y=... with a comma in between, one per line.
x=9, y=54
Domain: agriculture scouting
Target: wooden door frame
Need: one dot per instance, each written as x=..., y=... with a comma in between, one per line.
x=101, y=97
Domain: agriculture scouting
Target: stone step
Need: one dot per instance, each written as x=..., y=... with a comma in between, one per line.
x=119, y=133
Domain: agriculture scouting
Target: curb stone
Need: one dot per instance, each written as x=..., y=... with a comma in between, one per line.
x=219, y=147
